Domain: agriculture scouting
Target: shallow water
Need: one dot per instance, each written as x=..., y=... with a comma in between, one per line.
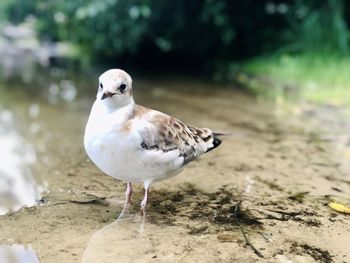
x=19, y=185
x=18, y=254
x=191, y=216
x=34, y=141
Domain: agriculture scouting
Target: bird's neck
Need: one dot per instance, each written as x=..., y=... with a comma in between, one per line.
x=124, y=110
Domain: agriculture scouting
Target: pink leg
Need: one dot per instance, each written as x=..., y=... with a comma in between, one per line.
x=144, y=200
x=128, y=193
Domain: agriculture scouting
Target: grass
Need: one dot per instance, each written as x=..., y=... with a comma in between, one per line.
x=319, y=77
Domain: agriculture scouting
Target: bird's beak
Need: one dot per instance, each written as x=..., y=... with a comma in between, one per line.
x=107, y=95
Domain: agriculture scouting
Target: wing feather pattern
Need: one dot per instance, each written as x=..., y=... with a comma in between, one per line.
x=161, y=132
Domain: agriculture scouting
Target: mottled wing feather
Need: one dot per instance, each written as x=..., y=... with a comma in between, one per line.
x=165, y=133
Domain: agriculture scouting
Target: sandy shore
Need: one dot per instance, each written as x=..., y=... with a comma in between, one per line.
x=272, y=180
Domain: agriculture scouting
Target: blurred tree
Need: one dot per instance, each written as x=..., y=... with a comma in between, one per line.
x=188, y=34
x=316, y=25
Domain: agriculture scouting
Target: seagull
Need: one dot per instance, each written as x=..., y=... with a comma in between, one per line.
x=135, y=144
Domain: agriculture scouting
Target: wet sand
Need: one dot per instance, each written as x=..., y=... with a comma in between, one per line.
x=272, y=180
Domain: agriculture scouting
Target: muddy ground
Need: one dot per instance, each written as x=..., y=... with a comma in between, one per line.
x=260, y=197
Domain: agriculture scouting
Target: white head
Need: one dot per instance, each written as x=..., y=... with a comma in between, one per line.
x=115, y=88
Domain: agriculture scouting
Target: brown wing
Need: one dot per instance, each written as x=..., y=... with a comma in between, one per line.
x=165, y=133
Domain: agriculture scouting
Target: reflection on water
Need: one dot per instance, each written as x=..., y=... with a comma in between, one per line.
x=18, y=186
x=129, y=241
x=34, y=143
x=17, y=254
x=64, y=90
x=118, y=235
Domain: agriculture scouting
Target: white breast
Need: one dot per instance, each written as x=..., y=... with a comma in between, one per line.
x=119, y=153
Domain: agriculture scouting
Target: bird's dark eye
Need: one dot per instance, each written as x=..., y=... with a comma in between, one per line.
x=101, y=86
x=122, y=87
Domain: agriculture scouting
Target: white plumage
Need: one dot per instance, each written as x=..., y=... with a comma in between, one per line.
x=136, y=144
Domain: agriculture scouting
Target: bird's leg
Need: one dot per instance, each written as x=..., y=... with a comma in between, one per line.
x=128, y=193
x=144, y=200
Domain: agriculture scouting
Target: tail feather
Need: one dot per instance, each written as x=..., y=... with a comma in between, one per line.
x=209, y=137
x=216, y=143
x=216, y=134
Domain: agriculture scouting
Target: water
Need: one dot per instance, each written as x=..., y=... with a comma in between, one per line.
x=33, y=139
x=19, y=186
x=18, y=254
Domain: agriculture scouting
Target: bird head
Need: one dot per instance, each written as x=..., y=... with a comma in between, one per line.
x=115, y=88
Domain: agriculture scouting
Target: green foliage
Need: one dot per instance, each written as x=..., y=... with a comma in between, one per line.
x=321, y=77
x=316, y=25
x=189, y=34
x=112, y=28
x=201, y=32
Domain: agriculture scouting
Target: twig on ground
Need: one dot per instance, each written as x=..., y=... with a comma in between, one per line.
x=247, y=241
